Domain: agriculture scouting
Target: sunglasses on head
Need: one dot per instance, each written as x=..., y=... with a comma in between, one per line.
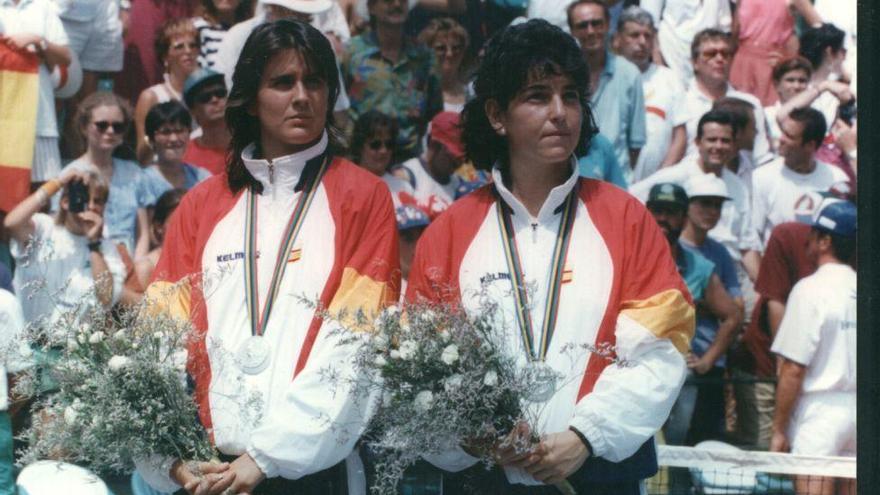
x=208, y=95
x=103, y=125
x=376, y=144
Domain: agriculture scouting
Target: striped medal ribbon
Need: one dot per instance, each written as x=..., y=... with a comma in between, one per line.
x=253, y=355
x=544, y=377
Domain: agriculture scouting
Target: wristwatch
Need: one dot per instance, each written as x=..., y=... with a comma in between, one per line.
x=95, y=246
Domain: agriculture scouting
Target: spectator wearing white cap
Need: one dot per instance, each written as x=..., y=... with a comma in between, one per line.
x=707, y=194
x=816, y=390
x=324, y=15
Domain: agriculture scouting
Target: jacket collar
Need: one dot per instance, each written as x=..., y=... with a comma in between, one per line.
x=285, y=173
x=552, y=205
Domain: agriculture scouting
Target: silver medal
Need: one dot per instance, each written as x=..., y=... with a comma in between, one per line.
x=544, y=379
x=253, y=355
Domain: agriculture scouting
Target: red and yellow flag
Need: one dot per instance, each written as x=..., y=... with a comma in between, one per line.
x=19, y=97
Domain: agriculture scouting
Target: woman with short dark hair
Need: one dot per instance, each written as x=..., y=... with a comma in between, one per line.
x=168, y=126
x=288, y=220
x=585, y=266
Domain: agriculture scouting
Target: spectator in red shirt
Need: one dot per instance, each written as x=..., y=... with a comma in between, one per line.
x=205, y=95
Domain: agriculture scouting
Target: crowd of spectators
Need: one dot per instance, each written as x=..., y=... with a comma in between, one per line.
x=734, y=121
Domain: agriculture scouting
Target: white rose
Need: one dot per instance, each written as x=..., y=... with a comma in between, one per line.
x=159, y=335
x=121, y=334
x=491, y=379
x=117, y=363
x=70, y=415
x=387, y=397
x=453, y=382
x=428, y=316
x=445, y=335
x=96, y=338
x=423, y=401
x=72, y=344
x=450, y=354
x=407, y=349
x=380, y=360
x=395, y=354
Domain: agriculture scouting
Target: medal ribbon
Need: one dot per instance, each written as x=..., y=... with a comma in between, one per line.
x=511, y=253
x=258, y=321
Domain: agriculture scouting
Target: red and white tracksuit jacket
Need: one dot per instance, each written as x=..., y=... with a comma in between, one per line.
x=621, y=287
x=345, y=258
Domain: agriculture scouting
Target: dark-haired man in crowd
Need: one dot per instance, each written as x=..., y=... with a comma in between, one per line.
x=615, y=83
x=779, y=188
x=384, y=70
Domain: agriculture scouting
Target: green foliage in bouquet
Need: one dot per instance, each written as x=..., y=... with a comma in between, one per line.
x=111, y=389
x=446, y=380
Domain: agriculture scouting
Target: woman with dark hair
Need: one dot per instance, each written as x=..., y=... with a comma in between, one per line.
x=214, y=21
x=325, y=230
x=585, y=267
x=168, y=126
x=373, y=144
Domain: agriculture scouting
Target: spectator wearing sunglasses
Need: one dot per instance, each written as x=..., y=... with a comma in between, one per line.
x=205, y=96
x=103, y=119
x=372, y=147
x=168, y=126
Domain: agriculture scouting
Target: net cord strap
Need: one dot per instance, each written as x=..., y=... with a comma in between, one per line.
x=759, y=462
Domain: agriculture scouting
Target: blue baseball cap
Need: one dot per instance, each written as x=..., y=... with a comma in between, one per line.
x=196, y=80
x=837, y=218
x=411, y=217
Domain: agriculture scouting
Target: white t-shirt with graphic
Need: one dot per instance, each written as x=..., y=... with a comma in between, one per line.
x=778, y=191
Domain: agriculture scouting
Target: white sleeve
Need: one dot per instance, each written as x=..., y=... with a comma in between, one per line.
x=748, y=234
x=55, y=32
x=156, y=471
x=320, y=418
x=452, y=459
x=759, y=210
x=115, y=266
x=798, y=336
x=630, y=403
x=333, y=21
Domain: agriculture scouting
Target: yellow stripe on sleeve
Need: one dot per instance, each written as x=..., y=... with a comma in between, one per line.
x=667, y=315
x=170, y=298
x=359, y=295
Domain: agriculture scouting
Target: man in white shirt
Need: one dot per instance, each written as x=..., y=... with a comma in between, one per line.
x=742, y=112
x=712, y=53
x=716, y=147
x=782, y=186
x=816, y=391
x=324, y=15
x=678, y=22
x=663, y=90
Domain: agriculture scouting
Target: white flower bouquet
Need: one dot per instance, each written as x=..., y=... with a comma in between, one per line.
x=446, y=380
x=117, y=392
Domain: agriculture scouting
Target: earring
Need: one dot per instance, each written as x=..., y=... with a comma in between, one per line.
x=501, y=131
